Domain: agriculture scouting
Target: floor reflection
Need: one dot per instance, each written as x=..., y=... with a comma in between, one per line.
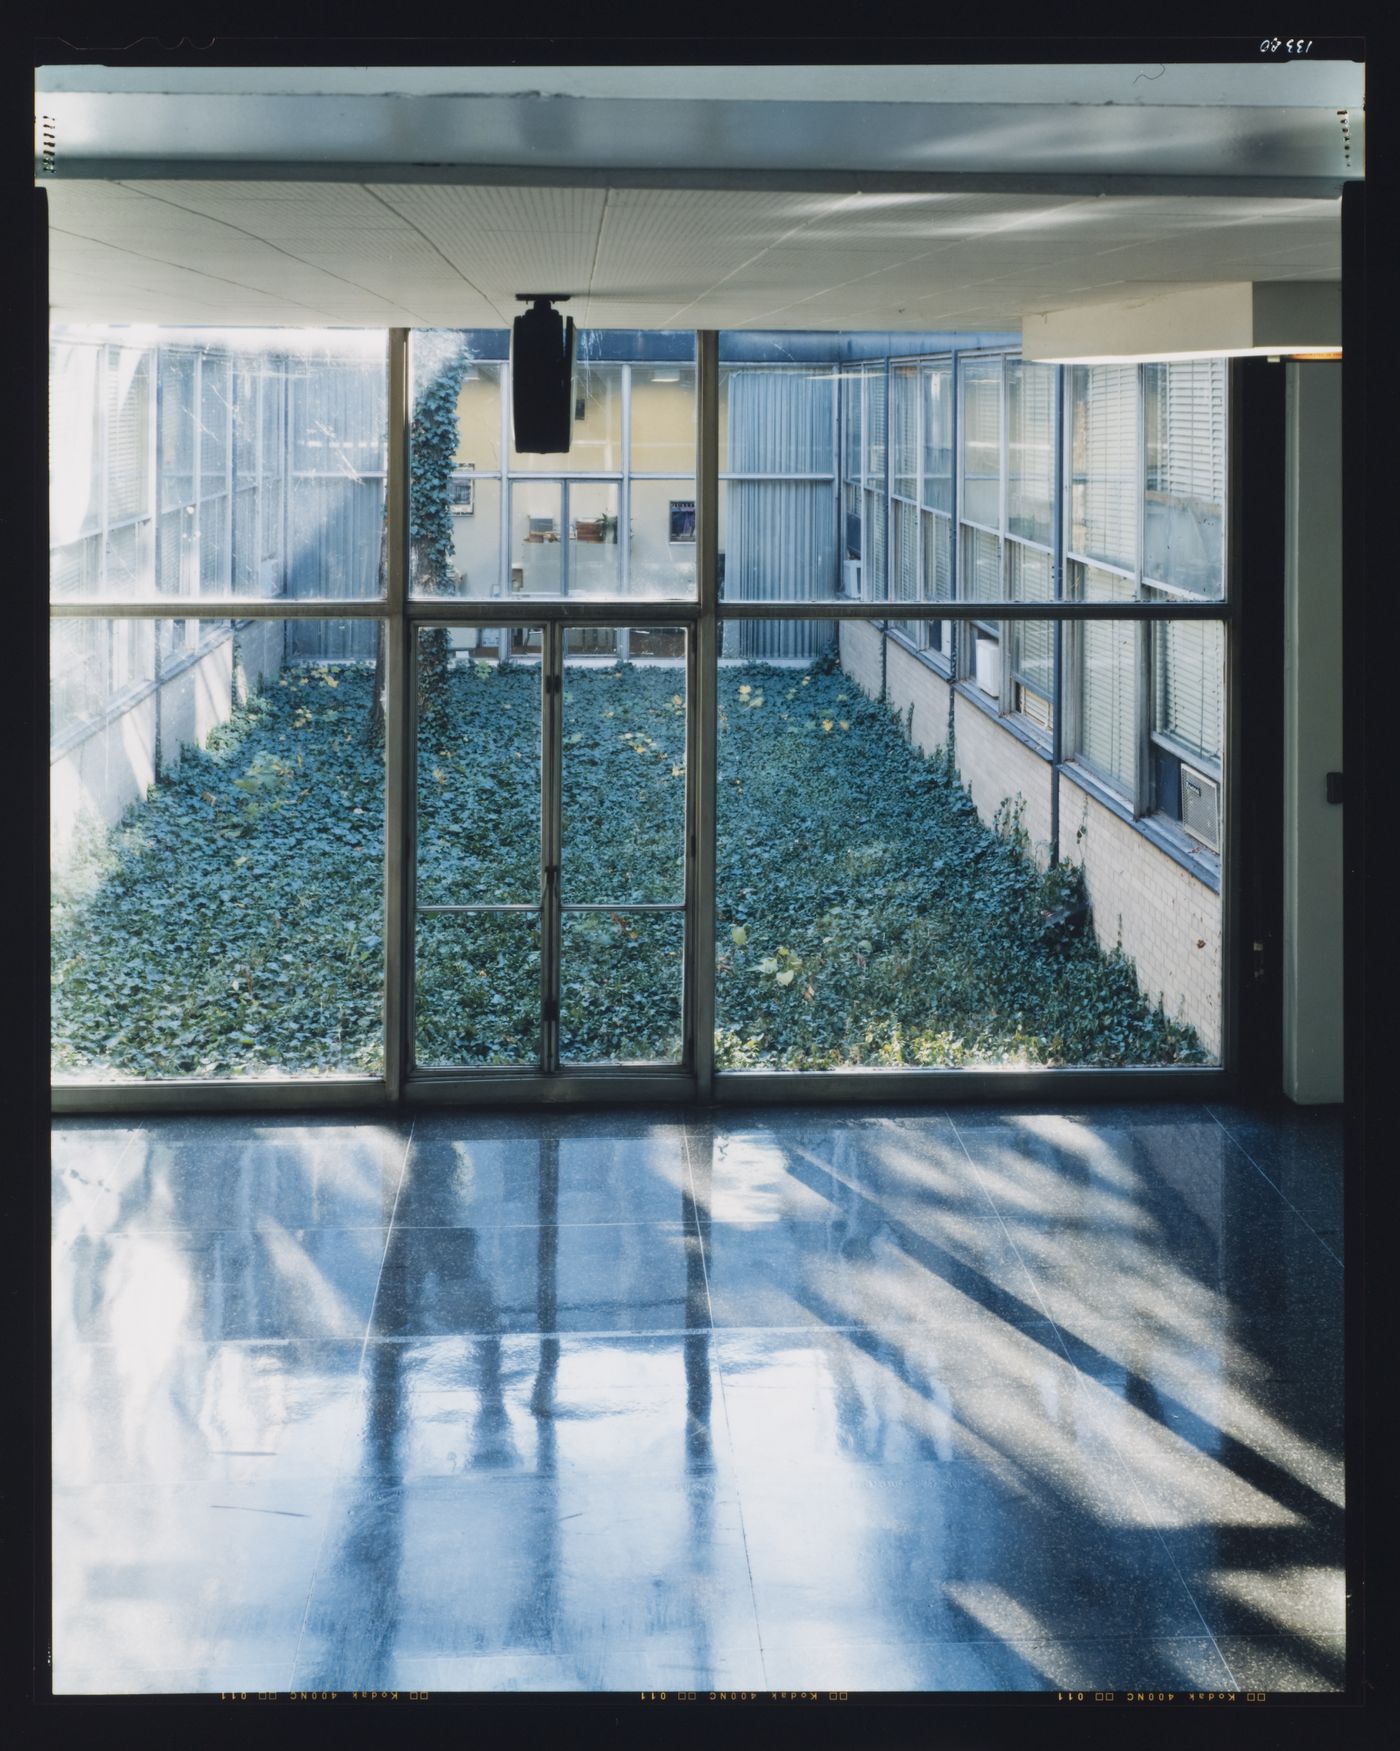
x=980, y=1400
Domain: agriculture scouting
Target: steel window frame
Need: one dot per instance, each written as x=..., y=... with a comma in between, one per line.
x=696, y=1079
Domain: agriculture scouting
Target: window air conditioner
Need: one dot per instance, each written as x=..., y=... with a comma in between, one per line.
x=850, y=580
x=987, y=672
x=1200, y=807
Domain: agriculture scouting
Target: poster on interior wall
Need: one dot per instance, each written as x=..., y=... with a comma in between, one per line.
x=682, y=520
x=460, y=495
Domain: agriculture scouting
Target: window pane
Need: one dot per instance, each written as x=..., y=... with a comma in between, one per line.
x=595, y=444
x=1103, y=463
x=478, y=801
x=536, y=557
x=981, y=566
x=1183, y=532
x=777, y=540
x=1030, y=444
x=476, y=536
x=938, y=436
x=624, y=772
x=479, y=416
x=855, y=867
x=230, y=463
x=904, y=392
x=662, y=558
x=1032, y=641
x=663, y=419
x=75, y=436
x=906, y=552
x=938, y=557
x=981, y=441
x=776, y=420
x=215, y=413
x=874, y=526
x=876, y=424
x=1188, y=693
x=175, y=428
x=477, y=990
x=621, y=979
x=128, y=433
x=1106, y=662
x=595, y=555
x=851, y=381
x=218, y=851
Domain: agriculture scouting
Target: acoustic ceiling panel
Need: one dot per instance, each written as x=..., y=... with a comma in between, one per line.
x=407, y=253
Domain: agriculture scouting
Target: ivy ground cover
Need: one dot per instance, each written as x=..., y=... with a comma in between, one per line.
x=232, y=923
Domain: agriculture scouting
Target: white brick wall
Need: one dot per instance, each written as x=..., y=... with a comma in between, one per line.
x=1166, y=920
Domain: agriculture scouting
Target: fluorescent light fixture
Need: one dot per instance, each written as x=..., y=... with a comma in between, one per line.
x=1286, y=318
x=666, y=374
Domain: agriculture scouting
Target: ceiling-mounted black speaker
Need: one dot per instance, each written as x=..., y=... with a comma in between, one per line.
x=542, y=376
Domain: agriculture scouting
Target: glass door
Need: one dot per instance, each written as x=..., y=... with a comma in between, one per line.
x=551, y=833
x=623, y=839
x=478, y=962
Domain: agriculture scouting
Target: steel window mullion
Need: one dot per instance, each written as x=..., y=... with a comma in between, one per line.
x=1142, y=716
x=1057, y=590
x=400, y=738
x=1004, y=640
x=837, y=465
x=478, y=906
x=702, y=708
x=507, y=510
x=585, y=611
x=610, y=906
x=551, y=839
x=624, y=491
x=225, y=608
x=978, y=610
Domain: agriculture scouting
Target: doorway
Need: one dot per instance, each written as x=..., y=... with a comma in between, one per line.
x=553, y=846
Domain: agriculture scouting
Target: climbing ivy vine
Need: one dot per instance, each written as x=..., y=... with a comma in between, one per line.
x=232, y=923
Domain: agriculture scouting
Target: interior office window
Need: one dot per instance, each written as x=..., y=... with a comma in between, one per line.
x=981, y=576
x=662, y=413
x=1184, y=556
x=246, y=476
x=1030, y=578
x=1103, y=463
x=272, y=469
x=1105, y=666
x=595, y=445
x=176, y=530
x=981, y=462
x=874, y=483
x=905, y=573
x=936, y=496
x=1188, y=711
x=663, y=419
x=215, y=410
x=479, y=417
x=1184, y=491
x=128, y=432
x=778, y=461
x=981, y=442
x=852, y=397
x=1030, y=451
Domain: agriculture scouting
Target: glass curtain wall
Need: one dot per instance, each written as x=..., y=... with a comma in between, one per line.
x=236, y=684
x=217, y=794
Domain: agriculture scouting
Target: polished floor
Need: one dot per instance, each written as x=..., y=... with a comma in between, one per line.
x=984, y=1399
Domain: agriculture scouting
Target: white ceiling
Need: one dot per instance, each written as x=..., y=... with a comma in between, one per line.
x=209, y=207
